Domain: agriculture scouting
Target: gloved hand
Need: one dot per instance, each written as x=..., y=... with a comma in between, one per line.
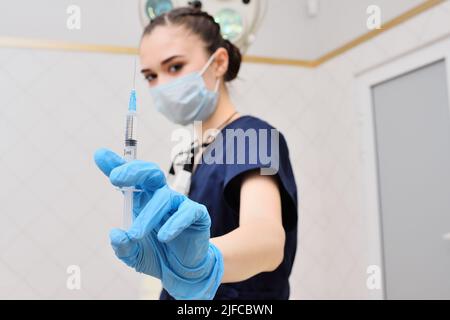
x=169, y=238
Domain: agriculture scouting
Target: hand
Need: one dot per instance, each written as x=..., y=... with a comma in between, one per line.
x=169, y=238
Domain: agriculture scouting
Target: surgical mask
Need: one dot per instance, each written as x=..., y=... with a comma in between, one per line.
x=186, y=99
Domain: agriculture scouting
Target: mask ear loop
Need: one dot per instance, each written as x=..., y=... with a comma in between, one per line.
x=216, y=89
x=208, y=63
x=210, y=60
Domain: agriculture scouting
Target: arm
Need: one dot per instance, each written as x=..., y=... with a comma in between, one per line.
x=257, y=245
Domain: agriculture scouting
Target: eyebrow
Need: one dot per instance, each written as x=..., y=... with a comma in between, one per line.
x=163, y=62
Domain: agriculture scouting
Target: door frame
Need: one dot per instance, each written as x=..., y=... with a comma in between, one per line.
x=368, y=156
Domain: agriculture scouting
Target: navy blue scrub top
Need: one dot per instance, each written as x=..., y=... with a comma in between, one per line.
x=217, y=186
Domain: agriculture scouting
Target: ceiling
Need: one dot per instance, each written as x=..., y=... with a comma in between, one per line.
x=287, y=31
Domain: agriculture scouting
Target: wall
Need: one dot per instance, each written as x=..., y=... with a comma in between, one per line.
x=56, y=108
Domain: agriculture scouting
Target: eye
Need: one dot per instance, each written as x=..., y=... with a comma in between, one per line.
x=150, y=77
x=175, y=68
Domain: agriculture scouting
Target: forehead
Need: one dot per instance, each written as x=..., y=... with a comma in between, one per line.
x=166, y=41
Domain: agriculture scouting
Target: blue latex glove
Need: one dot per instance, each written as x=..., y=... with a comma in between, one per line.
x=169, y=238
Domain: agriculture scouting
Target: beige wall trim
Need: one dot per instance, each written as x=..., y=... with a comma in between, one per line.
x=374, y=33
x=14, y=42
x=280, y=61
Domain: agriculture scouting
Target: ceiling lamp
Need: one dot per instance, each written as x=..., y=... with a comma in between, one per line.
x=239, y=19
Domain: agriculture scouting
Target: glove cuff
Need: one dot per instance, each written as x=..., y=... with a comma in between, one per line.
x=202, y=288
x=216, y=274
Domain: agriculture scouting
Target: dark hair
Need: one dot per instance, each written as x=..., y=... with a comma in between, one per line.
x=203, y=25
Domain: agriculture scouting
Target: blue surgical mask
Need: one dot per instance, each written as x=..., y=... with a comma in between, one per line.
x=186, y=99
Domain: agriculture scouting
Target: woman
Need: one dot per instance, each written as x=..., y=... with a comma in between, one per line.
x=234, y=236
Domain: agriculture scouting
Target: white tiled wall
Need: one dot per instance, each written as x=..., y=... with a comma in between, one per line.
x=56, y=208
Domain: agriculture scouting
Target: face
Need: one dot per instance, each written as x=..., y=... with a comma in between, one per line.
x=171, y=51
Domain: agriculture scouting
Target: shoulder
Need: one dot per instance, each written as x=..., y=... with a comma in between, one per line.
x=251, y=143
x=259, y=134
x=255, y=146
x=249, y=122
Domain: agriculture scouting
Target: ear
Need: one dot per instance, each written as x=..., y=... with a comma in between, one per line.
x=221, y=62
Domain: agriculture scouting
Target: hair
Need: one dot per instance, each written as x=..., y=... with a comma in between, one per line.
x=202, y=24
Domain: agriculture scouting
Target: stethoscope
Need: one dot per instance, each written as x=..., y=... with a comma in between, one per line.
x=180, y=180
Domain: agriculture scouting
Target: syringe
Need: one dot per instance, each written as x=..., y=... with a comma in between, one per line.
x=130, y=153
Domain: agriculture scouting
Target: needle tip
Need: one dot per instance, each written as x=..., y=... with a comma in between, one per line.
x=134, y=77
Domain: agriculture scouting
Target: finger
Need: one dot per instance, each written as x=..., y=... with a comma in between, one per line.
x=145, y=175
x=163, y=202
x=123, y=246
x=189, y=213
x=107, y=160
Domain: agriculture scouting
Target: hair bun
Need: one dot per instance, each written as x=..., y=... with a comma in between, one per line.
x=195, y=4
x=235, y=59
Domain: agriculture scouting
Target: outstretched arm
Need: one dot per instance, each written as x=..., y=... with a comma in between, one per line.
x=257, y=245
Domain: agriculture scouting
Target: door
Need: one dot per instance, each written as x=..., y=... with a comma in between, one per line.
x=412, y=132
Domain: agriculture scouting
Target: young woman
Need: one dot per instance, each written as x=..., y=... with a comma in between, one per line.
x=234, y=235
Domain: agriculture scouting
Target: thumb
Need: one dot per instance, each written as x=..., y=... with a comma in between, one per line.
x=107, y=160
x=126, y=249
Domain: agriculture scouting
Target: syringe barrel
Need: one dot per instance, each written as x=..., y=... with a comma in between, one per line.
x=128, y=208
x=130, y=127
x=130, y=137
x=130, y=150
x=130, y=155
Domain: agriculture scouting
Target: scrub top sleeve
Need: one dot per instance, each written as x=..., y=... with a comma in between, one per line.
x=272, y=160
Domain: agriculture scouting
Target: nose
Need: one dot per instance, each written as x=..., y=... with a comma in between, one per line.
x=162, y=79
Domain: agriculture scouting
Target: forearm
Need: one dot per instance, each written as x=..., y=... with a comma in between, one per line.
x=251, y=249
